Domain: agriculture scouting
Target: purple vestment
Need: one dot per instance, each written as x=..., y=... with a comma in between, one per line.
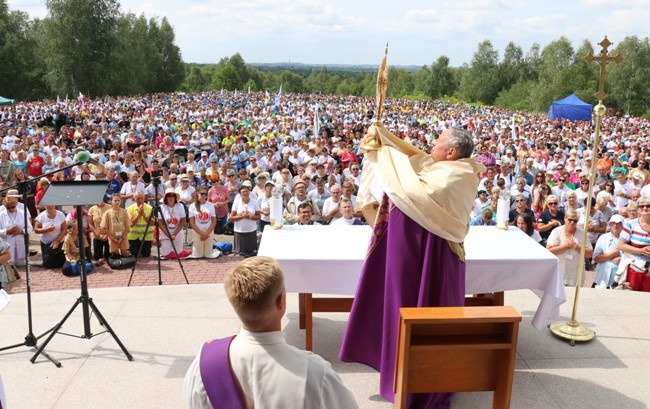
x=216, y=374
x=406, y=266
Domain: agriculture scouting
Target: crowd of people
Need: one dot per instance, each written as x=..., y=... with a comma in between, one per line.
x=212, y=161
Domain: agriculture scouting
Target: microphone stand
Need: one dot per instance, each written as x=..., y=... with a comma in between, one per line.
x=31, y=341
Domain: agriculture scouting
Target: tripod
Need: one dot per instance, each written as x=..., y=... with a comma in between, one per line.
x=156, y=212
x=63, y=192
x=30, y=339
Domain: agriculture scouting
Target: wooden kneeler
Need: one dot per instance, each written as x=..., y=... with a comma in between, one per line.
x=456, y=349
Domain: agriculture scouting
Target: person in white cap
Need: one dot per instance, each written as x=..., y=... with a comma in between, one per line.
x=606, y=255
x=204, y=161
x=12, y=228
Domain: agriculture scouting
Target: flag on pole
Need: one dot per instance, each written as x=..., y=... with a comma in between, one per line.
x=514, y=133
x=277, y=97
x=66, y=100
x=82, y=99
x=58, y=100
x=267, y=98
x=316, y=123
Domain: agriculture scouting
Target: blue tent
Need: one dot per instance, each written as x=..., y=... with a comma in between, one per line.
x=572, y=108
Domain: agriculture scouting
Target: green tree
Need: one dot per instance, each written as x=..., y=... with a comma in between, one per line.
x=441, y=81
x=585, y=75
x=481, y=82
x=556, y=73
x=291, y=82
x=512, y=68
x=628, y=83
x=170, y=70
x=231, y=74
x=531, y=63
x=401, y=83
x=81, y=36
x=196, y=79
x=226, y=77
x=22, y=70
x=132, y=71
x=517, y=97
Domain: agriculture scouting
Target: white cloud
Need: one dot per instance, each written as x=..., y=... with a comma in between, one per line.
x=344, y=31
x=542, y=26
x=615, y=3
x=422, y=16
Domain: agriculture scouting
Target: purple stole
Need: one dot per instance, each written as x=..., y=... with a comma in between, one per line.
x=216, y=373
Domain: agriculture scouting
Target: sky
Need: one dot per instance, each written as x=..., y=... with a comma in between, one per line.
x=356, y=32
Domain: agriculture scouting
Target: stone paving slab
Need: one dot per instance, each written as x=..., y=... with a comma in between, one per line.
x=164, y=326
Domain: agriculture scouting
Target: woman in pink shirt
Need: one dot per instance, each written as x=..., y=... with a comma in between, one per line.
x=218, y=196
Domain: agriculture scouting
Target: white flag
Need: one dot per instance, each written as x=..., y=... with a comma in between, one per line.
x=277, y=98
x=316, y=123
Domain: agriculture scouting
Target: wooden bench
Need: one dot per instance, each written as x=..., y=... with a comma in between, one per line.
x=308, y=305
x=456, y=349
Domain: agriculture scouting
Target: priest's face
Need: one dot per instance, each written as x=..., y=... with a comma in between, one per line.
x=441, y=150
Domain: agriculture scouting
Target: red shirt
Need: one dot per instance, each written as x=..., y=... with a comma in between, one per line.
x=347, y=158
x=35, y=165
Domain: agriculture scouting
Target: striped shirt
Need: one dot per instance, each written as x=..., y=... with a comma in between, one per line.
x=634, y=235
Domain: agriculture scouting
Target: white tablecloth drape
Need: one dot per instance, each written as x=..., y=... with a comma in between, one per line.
x=328, y=260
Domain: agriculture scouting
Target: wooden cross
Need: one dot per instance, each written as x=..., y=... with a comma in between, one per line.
x=603, y=59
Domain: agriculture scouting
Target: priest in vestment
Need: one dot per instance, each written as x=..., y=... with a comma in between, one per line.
x=421, y=206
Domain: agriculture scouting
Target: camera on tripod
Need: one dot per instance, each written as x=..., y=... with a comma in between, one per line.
x=156, y=174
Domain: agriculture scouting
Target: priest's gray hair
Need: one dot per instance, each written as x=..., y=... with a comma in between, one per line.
x=461, y=140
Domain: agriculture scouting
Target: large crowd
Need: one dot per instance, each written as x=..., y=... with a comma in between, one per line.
x=212, y=161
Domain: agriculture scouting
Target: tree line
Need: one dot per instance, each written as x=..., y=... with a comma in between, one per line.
x=87, y=46
x=527, y=81
x=92, y=47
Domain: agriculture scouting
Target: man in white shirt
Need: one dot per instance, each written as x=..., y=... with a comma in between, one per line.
x=129, y=188
x=257, y=368
x=555, y=161
x=622, y=191
x=539, y=165
x=560, y=190
x=347, y=218
x=331, y=210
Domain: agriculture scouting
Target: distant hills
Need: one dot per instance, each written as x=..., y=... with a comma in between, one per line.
x=307, y=68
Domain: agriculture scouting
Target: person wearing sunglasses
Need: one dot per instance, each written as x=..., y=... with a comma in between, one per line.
x=560, y=190
x=550, y=219
x=565, y=242
x=521, y=207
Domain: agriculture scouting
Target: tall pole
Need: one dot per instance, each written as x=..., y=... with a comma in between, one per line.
x=572, y=330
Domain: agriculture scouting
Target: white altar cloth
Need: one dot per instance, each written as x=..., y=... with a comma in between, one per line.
x=328, y=260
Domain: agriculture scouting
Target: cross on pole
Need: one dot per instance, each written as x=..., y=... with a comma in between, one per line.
x=603, y=59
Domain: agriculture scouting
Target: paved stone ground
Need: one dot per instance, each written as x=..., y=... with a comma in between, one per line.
x=145, y=274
